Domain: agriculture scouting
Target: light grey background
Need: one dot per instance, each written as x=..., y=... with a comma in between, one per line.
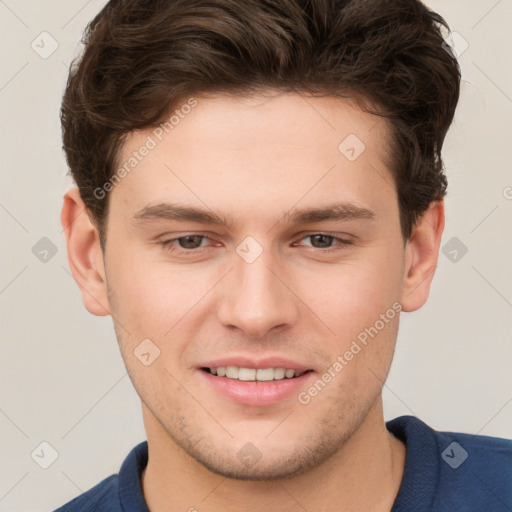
x=62, y=378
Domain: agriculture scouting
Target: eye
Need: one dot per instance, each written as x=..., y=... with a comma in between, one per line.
x=190, y=241
x=325, y=241
x=322, y=240
x=193, y=243
x=186, y=243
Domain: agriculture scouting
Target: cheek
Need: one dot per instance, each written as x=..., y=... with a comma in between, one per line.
x=352, y=295
x=150, y=296
x=359, y=303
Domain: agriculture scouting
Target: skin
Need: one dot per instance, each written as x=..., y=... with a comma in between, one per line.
x=255, y=160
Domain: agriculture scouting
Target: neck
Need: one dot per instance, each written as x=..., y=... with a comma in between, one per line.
x=364, y=474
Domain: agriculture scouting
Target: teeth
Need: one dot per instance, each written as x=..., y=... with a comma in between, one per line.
x=252, y=374
x=279, y=373
x=246, y=374
x=232, y=372
x=265, y=374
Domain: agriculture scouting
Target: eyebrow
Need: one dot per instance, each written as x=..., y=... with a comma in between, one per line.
x=337, y=211
x=174, y=211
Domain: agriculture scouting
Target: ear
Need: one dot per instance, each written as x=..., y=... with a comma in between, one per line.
x=421, y=254
x=84, y=254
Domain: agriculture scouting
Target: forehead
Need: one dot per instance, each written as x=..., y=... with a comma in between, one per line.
x=249, y=153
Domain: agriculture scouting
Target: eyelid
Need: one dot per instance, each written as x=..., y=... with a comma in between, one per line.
x=170, y=241
x=341, y=241
x=167, y=243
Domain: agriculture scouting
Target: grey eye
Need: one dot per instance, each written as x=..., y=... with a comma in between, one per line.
x=190, y=241
x=324, y=240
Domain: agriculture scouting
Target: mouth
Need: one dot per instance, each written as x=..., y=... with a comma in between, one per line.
x=255, y=374
x=256, y=383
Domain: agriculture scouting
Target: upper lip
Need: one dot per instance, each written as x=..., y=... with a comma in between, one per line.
x=256, y=363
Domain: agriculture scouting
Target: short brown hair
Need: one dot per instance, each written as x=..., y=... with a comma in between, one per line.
x=142, y=57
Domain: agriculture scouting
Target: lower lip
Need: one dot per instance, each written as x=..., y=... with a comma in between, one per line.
x=257, y=393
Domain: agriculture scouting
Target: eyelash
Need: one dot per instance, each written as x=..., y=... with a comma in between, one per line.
x=170, y=244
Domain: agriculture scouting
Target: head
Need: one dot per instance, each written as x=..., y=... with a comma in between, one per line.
x=310, y=134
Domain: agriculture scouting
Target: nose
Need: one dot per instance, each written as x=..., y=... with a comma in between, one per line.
x=256, y=298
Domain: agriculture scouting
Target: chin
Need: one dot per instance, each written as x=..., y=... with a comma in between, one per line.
x=261, y=470
x=261, y=461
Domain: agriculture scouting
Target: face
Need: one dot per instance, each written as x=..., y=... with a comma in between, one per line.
x=293, y=266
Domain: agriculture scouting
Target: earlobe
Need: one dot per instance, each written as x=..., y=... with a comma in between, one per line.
x=84, y=254
x=422, y=251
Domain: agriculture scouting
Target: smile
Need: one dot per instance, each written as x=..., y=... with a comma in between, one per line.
x=254, y=374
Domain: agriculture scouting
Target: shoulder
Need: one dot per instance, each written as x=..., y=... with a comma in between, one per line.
x=453, y=470
x=103, y=496
x=476, y=470
x=485, y=450
x=117, y=493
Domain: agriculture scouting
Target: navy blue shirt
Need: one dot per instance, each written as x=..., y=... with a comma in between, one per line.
x=444, y=472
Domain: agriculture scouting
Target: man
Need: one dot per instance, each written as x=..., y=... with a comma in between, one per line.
x=259, y=196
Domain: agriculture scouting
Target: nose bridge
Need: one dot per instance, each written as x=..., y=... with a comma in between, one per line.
x=255, y=300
